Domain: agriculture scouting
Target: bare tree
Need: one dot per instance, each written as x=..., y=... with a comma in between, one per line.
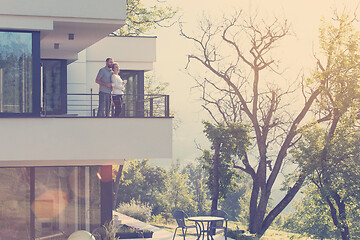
x=242, y=83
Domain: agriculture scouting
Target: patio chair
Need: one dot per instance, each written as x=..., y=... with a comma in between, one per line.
x=180, y=219
x=219, y=224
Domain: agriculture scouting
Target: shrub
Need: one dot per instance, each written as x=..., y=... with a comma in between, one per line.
x=239, y=235
x=163, y=218
x=158, y=219
x=136, y=209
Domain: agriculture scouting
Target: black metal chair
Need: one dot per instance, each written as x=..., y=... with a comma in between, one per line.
x=219, y=224
x=180, y=219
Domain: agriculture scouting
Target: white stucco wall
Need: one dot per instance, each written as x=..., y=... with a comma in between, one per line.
x=82, y=141
x=132, y=53
x=77, y=79
x=105, y=9
x=25, y=23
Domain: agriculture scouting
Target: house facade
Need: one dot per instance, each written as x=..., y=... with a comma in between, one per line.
x=55, y=156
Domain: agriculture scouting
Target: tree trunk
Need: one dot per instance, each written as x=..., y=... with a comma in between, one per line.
x=342, y=224
x=282, y=204
x=258, y=210
x=253, y=206
x=215, y=190
x=338, y=215
x=339, y=220
x=345, y=235
x=259, y=196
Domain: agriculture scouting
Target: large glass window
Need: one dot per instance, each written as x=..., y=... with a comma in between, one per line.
x=48, y=202
x=15, y=204
x=66, y=199
x=16, y=72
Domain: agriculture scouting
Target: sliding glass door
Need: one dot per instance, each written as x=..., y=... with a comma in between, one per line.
x=134, y=93
x=54, y=84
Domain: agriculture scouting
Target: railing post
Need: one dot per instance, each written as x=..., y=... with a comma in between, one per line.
x=151, y=107
x=91, y=111
x=167, y=105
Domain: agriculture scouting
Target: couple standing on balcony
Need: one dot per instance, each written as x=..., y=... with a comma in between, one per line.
x=110, y=86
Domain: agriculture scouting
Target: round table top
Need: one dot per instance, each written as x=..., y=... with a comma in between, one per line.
x=205, y=218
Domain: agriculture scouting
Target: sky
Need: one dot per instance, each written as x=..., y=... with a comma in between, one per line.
x=172, y=50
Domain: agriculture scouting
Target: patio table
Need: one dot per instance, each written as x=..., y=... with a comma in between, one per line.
x=200, y=220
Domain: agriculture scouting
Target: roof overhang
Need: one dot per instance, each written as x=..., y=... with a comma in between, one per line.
x=87, y=21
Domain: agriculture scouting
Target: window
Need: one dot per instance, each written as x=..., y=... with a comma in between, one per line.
x=40, y=202
x=19, y=72
x=134, y=93
x=67, y=199
x=15, y=204
x=54, y=86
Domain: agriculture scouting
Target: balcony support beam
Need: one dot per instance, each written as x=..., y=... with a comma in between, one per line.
x=106, y=194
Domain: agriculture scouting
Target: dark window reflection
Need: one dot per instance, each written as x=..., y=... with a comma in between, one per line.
x=14, y=203
x=134, y=93
x=54, y=86
x=15, y=72
x=66, y=199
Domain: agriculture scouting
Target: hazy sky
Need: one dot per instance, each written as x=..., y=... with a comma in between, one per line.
x=172, y=49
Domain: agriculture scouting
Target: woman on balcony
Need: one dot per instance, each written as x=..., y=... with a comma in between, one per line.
x=118, y=87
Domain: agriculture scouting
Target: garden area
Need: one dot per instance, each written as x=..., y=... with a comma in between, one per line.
x=158, y=191
x=235, y=231
x=276, y=137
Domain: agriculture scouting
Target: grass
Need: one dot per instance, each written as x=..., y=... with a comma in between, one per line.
x=272, y=234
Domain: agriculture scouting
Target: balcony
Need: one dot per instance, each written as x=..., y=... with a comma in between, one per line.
x=78, y=138
x=139, y=106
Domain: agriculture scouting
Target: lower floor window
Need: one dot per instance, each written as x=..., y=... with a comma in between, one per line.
x=38, y=202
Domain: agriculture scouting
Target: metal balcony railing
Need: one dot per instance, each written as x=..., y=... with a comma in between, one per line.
x=141, y=106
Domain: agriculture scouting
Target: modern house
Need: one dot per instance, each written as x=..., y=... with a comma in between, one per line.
x=55, y=156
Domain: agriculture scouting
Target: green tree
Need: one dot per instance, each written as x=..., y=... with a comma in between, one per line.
x=178, y=193
x=143, y=183
x=154, y=87
x=229, y=141
x=140, y=18
x=333, y=166
x=334, y=178
x=197, y=178
x=311, y=217
x=236, y=202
